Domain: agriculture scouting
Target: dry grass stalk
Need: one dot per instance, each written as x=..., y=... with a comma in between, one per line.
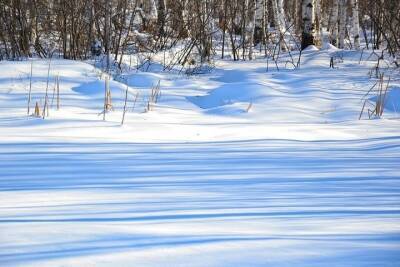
x=381, y=99
x=45, y=107
x=109, y=101
x=155, y=95
x=379, y=105
x=58, y=92
x=54, y=91
x=135, y=100
x=30, y=89
x=107, y=97
x=362, y=110
x=249, y=107
x=126, y=100
x=37, y=110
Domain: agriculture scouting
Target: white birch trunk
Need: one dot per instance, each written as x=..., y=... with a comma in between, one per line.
x=318, y=21
x=251, y=26
x=356, y=24
x=334, y=23
x=208, y=19
x=276, y=15
x=263, y=15
x=107, y=29
x=308, y=35
x=278, y=24
x=244, y=17
x=153, y=12
x=342, y=22
x=297, y=19
x=281, y=15
x=259, y=13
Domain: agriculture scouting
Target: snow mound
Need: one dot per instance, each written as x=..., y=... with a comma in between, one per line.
x=143, y=79
x=96, y=88
x=392, y=102
x=91, y=88
x=231, y=110
x=150, y=66
x=232, y=76
x=311, y=48
x=329, y=47
x=228, y=95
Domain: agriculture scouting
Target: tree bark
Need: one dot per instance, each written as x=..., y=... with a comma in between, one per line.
x=318, y=22
x=107, y=33
x=153, y=11
x=251, y=26
x=342, y=22
x=356, y=24
x=308, y=35
x=161, y=17
x=334, y=23
x=279, y=27
x=281, y=13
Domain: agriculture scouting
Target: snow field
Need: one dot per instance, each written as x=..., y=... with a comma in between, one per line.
x=202, y=180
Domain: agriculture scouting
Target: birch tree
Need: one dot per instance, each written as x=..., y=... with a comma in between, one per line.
x=153, y=11
x=262, y=14
x=251, y=26
x=107, y=33
x=308, y=37
x=356, y=24
x=281, y=14
x=279, y=27
x=334, y=23
x=342, y=22
x=297, y=20
x=318, y=21
x=161, y=17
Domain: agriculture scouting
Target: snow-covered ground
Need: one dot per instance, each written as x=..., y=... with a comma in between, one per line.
x=239, y=167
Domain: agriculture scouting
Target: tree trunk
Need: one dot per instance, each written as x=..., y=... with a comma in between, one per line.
x=107, y=33
x=356, y=24
x=281, y=15
x=161, y=15
x=297, y=18
x=318, y=22
x=245, y=8
x=264, y=25
x=224, y=28
x=91, y=27
x=342, y=22
x=334, y=23
x=153, y=12
x=251, y=26
x=308, y=36
x=279, y=27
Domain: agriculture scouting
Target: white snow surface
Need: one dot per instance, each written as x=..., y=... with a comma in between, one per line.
x=239, y=167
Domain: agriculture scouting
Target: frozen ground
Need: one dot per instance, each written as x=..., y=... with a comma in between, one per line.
x=296, y=180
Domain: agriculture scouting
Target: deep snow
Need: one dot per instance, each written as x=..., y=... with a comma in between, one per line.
x=239, y=167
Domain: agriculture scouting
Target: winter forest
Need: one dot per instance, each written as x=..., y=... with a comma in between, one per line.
x=235, y=28
x=200, y=133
